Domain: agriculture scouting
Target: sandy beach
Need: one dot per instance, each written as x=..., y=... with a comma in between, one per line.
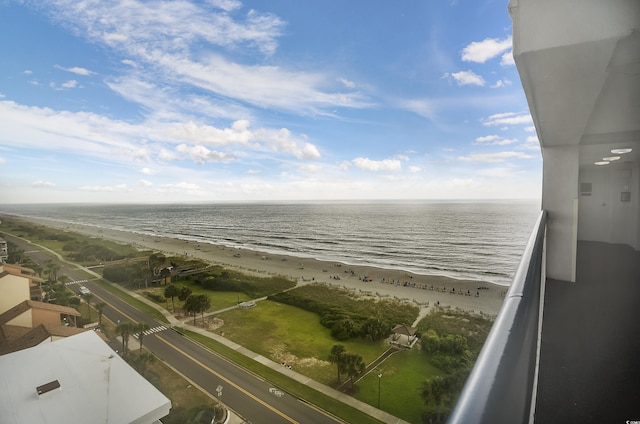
x=425, y=290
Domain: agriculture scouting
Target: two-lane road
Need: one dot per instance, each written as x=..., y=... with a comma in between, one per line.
x=252, y=397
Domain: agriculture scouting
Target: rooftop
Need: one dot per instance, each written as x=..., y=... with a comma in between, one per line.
x=96, y=385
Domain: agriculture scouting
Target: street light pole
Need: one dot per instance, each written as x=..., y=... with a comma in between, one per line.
x=379, y=378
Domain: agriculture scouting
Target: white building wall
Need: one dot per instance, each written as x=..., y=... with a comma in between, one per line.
x=559, y=196
x=604, y=216
x=13, y=290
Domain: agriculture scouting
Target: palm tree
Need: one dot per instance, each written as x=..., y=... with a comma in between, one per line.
x=88, y=298
x=171, y=291
x=337, y=357
x=142, y=361
x=355, y=365
x=203, y=303
x=124, y=329
x=140, y=328
x=99, y=307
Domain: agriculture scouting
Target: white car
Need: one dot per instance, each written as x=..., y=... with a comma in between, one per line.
x=84, y=290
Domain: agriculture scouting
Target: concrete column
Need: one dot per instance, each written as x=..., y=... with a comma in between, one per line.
x=560, y=199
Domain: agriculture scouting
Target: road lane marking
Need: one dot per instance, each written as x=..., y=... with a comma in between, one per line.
x=252, y=396
x=151, y=331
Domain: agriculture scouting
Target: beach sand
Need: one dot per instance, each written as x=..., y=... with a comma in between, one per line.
x=469, y=295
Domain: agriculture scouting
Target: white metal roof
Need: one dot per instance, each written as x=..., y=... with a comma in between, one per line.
x=96, y=385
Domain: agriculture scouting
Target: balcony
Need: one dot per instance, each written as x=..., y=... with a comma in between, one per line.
x=583, y=366
x=590, y=350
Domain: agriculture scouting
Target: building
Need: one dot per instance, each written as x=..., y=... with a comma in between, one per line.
x=78, y=379
x=564, y=346
x=4, y=251
x=14, y=288
x=25, y=322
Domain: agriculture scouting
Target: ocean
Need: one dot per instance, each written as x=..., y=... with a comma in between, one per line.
x=459, y=239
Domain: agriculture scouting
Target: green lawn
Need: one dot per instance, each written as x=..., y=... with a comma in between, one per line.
x=219, y=300
x=400, y=384
x=295, y=336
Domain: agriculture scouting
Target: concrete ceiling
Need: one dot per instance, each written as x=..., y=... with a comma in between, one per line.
x=582, y=74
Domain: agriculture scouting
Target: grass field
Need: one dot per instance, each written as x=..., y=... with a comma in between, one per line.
x=219, y=300
x=400, y=384
x=288, y=334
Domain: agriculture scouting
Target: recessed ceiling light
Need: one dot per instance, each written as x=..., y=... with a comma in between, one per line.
x=611, y=158
x=602, y=163
x=620, y=151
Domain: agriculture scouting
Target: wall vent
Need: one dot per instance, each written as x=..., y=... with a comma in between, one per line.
x=48, y=387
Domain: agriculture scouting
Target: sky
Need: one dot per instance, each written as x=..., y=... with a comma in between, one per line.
x=130, y=101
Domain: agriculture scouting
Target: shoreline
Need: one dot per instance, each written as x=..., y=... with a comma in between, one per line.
x=367, y=280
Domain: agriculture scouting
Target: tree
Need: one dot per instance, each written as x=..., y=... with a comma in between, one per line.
x=354, y=365
x=88, y=298
x=336, y=357
x=374, y=329
x=99, y=307
x=124, y=329
x=141, y=361
x=140, y=328
x=171, y=291
x=197, y=303
x=183, y=293
x=52, y=269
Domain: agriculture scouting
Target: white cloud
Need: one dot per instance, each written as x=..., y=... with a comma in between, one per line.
x=495, y=140
x=415, y=169
x=167, y=156
x=76, y=70
x=169, y=39
x=43, y=184
x=507, y=59
x=347, y=83
x=264, y=86
x=148, y=171
x=106, y=189
x=135, y=24
x=227, y=5
x=494, y=157
x=378, y=165
x=200, y=154
x=146, y=183
x=533, y=139
x=482, y=51
x=130, y=63
x=2, y=160
x=530, y=129
x=501, y=83
x=191, y=189
x=422, y=107
x=467, y=78
x=508, y=118
x=311, y=168
x=27, y=72
x=504, y=172
x=206, y=134
x=70, y=84
x=254, y=172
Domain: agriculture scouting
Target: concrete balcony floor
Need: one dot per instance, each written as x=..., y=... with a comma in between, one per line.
x=590, y=354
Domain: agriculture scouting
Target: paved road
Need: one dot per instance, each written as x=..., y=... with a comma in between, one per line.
x=252, y=397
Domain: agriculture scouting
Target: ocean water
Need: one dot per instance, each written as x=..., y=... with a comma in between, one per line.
x=476, y=240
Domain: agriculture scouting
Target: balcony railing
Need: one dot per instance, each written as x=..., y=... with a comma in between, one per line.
x=502, y=384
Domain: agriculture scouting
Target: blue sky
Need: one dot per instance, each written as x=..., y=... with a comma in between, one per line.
x=219, y=100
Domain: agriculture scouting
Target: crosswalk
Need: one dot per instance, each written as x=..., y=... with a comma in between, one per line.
x=151, y=331
x=70, y=283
